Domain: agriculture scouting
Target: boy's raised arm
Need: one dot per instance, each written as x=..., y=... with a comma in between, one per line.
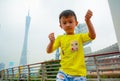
x=88, y=16
x=51, y=38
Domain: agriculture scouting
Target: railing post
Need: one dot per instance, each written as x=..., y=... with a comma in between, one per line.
x=28, y=73
x=12, y=74
x=19, y=73
x=7, y=74
x=97, y=69
x=2, y=74
x=43, y=71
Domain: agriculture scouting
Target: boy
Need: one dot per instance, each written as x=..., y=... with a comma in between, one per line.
x=72, y=53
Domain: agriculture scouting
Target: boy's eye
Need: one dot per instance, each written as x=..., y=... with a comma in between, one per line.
x=64, y=22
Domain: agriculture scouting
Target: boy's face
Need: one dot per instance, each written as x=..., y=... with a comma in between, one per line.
x=68, y=24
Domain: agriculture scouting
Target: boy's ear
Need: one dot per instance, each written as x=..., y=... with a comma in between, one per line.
x=76, y=23
x=60, y=26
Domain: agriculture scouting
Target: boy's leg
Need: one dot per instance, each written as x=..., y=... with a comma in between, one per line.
x=61, y=77
x=79, y=79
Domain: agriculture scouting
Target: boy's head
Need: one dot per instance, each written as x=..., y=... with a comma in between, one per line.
x=68, y=21
x=67, y=13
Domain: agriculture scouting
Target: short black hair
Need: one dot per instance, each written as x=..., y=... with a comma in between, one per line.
x=67, y=13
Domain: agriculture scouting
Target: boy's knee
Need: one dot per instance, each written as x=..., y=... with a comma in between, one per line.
x=60, y=77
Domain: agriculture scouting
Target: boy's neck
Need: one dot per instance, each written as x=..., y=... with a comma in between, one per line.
x=69, y=34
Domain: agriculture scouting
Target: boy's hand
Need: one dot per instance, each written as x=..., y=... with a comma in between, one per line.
x=51, y=37
x=88, y=15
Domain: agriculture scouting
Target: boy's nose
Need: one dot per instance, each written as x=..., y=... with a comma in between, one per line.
x=67, y=24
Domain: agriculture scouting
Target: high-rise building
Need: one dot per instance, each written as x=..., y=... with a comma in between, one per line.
x=81, y=28
x=23, y=59
x=114, y=6
x=2, y=66
x=57, y=54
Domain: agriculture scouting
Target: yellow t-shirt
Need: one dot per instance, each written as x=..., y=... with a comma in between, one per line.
x=72, y=53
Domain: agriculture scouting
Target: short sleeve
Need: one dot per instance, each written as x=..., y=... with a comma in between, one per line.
x=85, y=37
x=56, y=43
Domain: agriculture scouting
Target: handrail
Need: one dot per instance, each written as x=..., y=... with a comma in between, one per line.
x=101, y=54
x=98, y=65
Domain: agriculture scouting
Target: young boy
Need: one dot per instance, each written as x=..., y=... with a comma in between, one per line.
x=72, y=62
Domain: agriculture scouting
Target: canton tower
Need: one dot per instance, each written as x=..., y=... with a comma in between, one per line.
x=23, y=59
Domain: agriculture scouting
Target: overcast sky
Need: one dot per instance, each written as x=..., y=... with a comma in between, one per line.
x=44, y=20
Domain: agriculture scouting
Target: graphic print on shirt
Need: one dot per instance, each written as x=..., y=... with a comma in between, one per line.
x=74, y=46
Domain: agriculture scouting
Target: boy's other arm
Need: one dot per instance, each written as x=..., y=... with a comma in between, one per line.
x=91, y=30
x=50, y=45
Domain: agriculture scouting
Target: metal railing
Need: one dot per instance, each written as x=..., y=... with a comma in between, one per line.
x=100, y=67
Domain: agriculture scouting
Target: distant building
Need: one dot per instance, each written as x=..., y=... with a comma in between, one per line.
x=57, y=54
x=87, y=50
x=2, y=66
x=11, y=64
x=81, y=28
x=23, y=59
x=109, y=49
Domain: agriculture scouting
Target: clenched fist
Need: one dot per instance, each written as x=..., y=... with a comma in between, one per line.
x=88, y=15
x=51, y=37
